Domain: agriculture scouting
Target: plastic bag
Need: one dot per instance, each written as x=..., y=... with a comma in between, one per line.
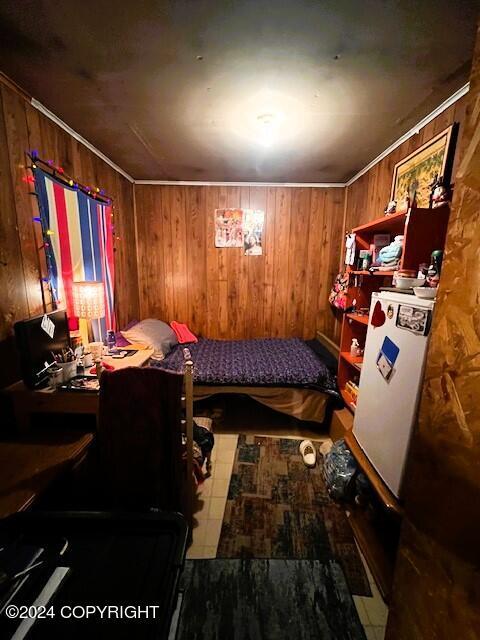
x=339, y=471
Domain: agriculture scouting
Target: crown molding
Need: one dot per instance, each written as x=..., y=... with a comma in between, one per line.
x=413, y=131
x=198, y=183
x=63, y=125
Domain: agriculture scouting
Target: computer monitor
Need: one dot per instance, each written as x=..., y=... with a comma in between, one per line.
x=36, y=345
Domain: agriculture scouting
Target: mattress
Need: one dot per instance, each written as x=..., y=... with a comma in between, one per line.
x=269, y=362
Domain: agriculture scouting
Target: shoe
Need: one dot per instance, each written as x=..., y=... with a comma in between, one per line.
x=308, y=453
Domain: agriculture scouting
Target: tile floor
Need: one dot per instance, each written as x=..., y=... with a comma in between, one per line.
x=211, y=499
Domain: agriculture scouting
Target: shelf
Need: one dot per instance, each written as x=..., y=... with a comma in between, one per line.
x=353, y=360
x=347, y=398
x=383, y=224
x=358, y=318
x=390, y=502
x=386, y=274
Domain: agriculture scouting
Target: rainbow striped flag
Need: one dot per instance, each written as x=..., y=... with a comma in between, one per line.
x=79, y=245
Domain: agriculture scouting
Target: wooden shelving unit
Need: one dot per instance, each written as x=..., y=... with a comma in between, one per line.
x=424, y=230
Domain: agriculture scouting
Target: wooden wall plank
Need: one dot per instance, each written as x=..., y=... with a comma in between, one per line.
x=221, y=292
x=254, y=300
x=25, y=204
x=196, y=264
x=297, y=260
x=269, y=251
x=316, y=254
x=14, y=301
x=179, y=255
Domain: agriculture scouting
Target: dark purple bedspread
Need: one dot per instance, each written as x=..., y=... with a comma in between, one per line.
x=262, y=361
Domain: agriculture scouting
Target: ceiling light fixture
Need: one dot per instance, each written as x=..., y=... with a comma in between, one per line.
x=268, y=123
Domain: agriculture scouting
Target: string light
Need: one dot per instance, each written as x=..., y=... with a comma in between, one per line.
x=49, y=232
x=37, y=219
x=71, y=183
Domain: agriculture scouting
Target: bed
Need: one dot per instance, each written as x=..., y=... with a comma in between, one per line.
x=286, y=374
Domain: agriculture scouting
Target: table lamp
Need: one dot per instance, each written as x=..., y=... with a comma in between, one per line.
x=88, y=305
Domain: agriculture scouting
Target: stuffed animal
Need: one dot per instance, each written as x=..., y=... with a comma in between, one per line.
x=390, y=255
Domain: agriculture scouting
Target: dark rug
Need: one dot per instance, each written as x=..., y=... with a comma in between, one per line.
x=267, y=600
x=278, y=508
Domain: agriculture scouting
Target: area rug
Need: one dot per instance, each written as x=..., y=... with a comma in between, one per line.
x=278, y=508
x=267, y=600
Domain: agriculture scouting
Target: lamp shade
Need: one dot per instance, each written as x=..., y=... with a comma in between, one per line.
x=88, y=300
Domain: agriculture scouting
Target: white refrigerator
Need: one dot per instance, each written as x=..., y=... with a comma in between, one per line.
x=391, y=381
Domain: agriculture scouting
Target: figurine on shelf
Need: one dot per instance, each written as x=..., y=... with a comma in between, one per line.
x=391, y=208
x=439, y=194
x=404, y=204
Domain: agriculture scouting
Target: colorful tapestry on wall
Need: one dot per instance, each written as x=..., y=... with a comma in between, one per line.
x=80, y=246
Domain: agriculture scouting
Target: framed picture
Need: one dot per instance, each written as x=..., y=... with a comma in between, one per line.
x=414, y=175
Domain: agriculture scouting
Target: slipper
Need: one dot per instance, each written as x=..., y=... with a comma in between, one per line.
x=308, y=453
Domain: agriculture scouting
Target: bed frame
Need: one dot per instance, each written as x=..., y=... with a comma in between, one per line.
x=188, y=406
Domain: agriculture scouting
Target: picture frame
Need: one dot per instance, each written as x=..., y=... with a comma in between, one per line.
x=413, y=176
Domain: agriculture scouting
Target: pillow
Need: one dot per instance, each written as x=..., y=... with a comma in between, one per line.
x=154, y=333
x=183, y=333
x=120, y=341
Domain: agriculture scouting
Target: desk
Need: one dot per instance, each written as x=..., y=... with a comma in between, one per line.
x=29, y=465
x=27, y=401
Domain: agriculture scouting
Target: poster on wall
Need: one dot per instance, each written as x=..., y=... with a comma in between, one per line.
x=240, y=228
x=252, y=231
x=228, y=228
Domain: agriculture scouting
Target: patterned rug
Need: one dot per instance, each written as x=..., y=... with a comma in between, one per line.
x=267, y=600
x=278, y=508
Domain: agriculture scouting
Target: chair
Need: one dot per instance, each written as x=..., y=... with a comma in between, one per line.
x=140, y=440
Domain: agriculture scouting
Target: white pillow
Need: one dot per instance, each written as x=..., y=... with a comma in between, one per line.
x=155, y=334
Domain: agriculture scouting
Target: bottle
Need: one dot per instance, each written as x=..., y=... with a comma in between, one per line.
x=355, y=348
x=433, y=274
x=111, y=340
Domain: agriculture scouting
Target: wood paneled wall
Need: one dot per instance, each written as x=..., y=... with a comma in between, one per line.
x=367, y=197
x=22, y=128
x=221, y=293
x=436, y=592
